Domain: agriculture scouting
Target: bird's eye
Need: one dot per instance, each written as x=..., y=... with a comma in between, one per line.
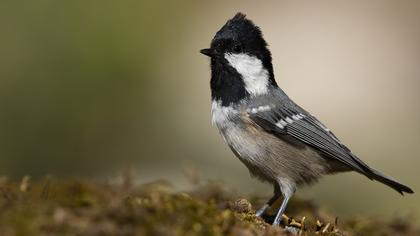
x=237, y=48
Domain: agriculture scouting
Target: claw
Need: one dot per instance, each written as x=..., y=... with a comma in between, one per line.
x=286, y=219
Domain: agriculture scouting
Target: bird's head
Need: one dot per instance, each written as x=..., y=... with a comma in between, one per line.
x=240, y=61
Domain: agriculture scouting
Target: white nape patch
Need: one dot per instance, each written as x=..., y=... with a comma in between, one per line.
x=221, y=114
x=253, y=73
x=283, y=123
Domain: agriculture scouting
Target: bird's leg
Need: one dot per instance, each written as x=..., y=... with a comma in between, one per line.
x=270, y=202
x=281, y=210
x=287, y=189
x=265, y=207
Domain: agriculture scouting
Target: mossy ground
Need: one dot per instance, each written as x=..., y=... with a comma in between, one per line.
x=51, y=206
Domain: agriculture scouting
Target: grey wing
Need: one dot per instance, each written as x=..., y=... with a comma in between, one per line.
x=297, y=123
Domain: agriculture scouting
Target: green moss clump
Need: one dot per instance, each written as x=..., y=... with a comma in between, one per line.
x=84, y=207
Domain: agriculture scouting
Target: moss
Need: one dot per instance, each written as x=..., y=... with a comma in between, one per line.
x=83, y=207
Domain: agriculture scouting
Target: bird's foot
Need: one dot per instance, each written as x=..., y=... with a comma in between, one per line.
x=285, y=220
x=292, y=222
x=295, y=226
x=292, y=225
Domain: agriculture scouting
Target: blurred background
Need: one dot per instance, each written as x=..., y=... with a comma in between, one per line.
x=90, y=88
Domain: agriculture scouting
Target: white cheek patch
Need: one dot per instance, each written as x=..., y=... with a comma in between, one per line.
x=253, y=73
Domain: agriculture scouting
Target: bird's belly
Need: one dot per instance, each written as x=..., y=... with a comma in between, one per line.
x=270, y=158
x=244, y=145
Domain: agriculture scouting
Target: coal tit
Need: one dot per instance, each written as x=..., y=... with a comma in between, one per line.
x=276, y=139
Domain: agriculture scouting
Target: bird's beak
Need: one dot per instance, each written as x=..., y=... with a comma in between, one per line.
x=208, y=52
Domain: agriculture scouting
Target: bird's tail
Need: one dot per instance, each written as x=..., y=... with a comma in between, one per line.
x=401, y=188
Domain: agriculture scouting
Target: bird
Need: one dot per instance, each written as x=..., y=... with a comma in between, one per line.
x=277, y=140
